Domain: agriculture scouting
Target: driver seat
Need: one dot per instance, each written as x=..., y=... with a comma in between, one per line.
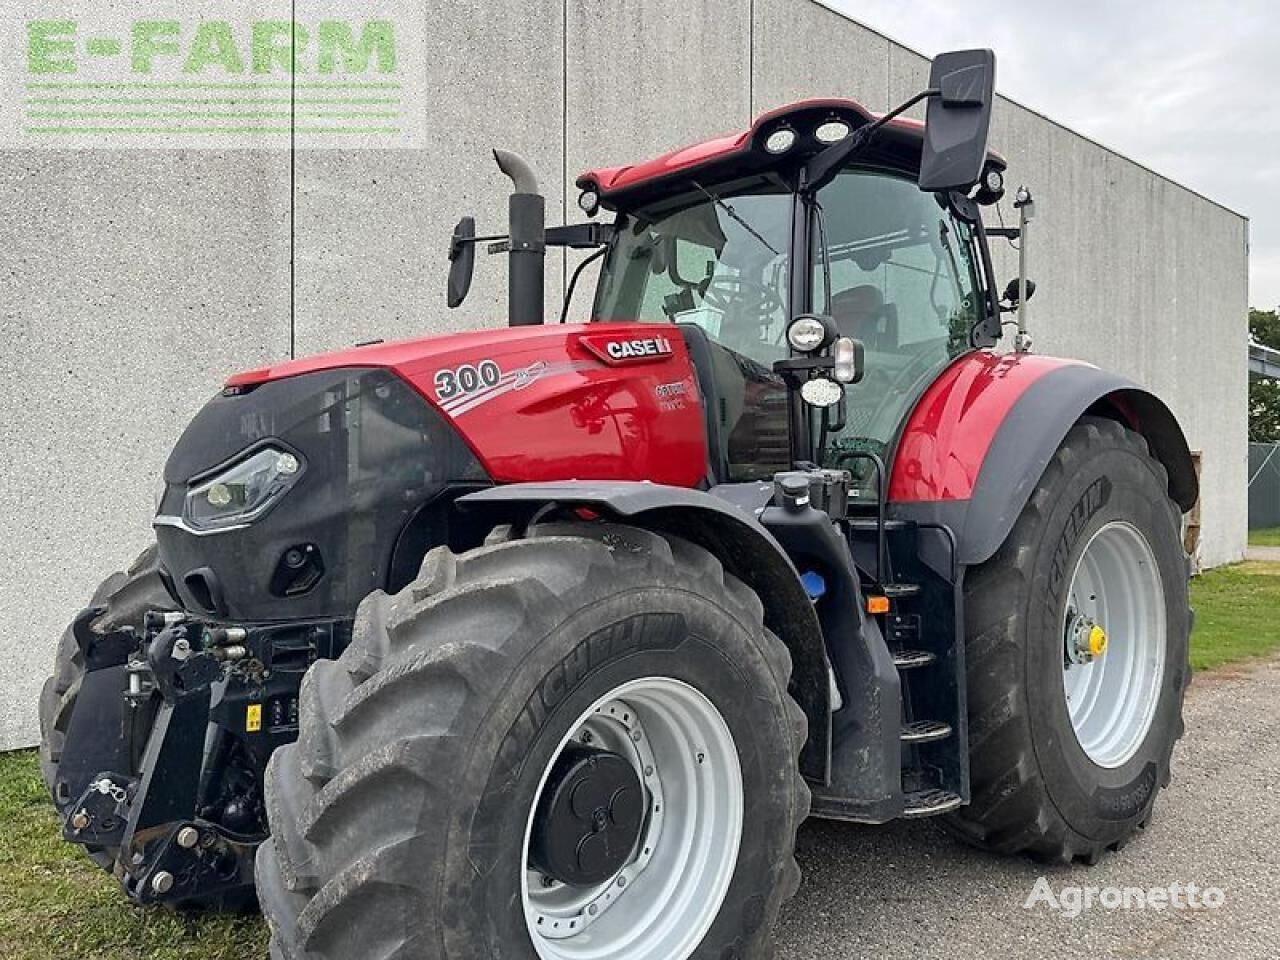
x=861, y=313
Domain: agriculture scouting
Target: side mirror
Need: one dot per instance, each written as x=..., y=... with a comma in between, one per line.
x=958, y=120
x=1010, y=294
x=462, y=260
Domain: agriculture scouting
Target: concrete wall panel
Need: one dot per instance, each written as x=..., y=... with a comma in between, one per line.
x=804, y=50
x=133, y=283
x=373, y=226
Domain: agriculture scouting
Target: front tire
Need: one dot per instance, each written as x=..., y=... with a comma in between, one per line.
x=1067, y=749
x=412, y=818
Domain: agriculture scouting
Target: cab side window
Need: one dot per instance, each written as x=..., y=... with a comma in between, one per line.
x=902, y=281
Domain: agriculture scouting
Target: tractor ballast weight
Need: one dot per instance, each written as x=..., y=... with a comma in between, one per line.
x=451, y=646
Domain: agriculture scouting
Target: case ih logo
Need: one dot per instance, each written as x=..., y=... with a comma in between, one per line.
x=618, y=351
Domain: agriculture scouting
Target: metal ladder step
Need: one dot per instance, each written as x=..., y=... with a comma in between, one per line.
x=929, y=803
x=925, y=731
x=873, y=523
x=896, y=591
x=910, y=659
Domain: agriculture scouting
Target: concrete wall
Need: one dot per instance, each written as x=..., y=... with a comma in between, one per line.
x=134, y=281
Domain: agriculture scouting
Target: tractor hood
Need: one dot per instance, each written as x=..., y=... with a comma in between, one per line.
x=400, y=355
x=603, y=401
x=295, y=489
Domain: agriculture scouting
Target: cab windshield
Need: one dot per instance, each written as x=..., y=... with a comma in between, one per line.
x=717, y=258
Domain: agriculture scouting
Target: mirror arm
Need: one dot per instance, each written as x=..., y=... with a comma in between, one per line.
x=823, y=166
x=573, y=282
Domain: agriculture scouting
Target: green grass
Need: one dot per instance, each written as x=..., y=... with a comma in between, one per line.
x=56, y=905
x=1265, y=537
x=1237, y=614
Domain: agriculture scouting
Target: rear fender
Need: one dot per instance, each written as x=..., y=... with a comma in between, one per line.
x=732, y=534
x=983, y=434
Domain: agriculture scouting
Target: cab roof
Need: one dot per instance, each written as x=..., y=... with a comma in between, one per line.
x=898, y=144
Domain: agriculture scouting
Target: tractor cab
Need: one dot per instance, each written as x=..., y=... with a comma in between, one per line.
x=890, y=267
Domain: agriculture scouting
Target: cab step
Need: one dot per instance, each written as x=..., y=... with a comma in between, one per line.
x=925, y=731
x=929, y=803
x=911, y=659
x=897, y=591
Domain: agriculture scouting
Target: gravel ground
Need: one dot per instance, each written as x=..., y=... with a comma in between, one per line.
x=908, y=890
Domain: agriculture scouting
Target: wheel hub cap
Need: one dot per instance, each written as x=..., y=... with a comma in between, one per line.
x=634, y=863
x=590, y=817
x=1086, y=640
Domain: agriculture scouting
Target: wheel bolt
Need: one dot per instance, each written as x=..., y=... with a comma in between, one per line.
x=162, y=882
x=188, y=837
x=635, y=735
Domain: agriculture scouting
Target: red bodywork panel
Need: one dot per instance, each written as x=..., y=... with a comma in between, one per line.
x=948, y=434
x=538, y=404
x=612, y=180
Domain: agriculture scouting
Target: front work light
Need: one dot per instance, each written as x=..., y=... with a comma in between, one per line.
x=806, y=334
x=833, y=131
x=243, y=491
x=589, y=201
x=780, y=141
x=821, y=392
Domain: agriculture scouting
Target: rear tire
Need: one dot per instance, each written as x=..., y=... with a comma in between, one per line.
x=399, y=819
x=1043, y=783
x=125, y=597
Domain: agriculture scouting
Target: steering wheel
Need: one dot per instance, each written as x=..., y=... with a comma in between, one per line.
x=724, y=291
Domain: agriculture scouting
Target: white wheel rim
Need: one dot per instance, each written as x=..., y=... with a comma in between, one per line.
x=1112, y=699
x=660, y=905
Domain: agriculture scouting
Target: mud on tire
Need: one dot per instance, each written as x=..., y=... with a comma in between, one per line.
x=397, y=817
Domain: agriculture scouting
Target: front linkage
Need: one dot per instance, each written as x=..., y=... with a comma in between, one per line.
x=184, y=716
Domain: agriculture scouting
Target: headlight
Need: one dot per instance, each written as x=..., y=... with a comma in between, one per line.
x=243, y=491
x=807, y=334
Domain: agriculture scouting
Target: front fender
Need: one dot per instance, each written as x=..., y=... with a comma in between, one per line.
x=731, y=533
x=980, y=438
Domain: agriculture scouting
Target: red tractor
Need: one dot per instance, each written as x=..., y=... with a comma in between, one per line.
x=542, y=642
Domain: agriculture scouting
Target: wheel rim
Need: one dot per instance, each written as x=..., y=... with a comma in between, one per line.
x=661, y=903
x=1112, y=695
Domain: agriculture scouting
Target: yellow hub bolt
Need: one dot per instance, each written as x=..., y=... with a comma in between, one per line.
x=1097, y=642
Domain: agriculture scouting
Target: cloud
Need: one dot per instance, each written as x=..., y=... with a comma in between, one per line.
x=1182, y=86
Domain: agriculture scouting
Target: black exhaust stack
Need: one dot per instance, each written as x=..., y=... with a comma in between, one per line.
x=526, y=215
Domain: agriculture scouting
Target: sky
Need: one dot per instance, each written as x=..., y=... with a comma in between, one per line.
x=1185, y=87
